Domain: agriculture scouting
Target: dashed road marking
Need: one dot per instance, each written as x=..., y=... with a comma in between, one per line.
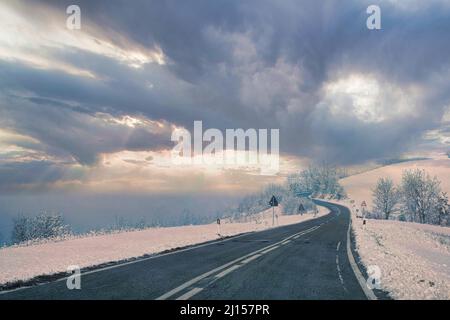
x=190, y=294
x=229, y=267
x=227, y=271
x=338, y=267
x=251, y=258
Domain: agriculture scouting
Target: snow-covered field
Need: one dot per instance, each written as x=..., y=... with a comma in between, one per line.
x=414, y=259
x=26, y=262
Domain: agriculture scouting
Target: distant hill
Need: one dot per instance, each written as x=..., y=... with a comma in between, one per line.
x=359, y=187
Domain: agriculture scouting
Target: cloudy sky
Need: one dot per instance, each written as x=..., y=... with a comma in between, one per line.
x=93, y=109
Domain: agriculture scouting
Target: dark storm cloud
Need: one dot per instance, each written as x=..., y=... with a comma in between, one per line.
x=19, y=175
x=251, y=64
x=69, y=123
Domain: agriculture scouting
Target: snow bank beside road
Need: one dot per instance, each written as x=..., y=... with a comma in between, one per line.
x=27, y=262
x=414, y=259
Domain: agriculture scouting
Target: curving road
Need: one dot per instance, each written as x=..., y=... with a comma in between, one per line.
x=308, y=260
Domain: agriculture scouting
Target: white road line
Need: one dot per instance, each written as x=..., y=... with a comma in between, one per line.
x=362, y=282
x=338, y=267
x=157, y=255
x=339, y=272
x=270, y=249
x=230, y=269
x=251, y=258
x=264, y=250
x=195, y=280
x=190, y=294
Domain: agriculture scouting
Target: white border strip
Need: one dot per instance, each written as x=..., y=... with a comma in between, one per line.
x=362, y=281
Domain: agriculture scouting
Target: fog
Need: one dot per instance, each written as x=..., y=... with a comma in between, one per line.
x=91, y=212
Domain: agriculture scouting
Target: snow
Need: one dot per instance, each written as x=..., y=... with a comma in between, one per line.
x=26, y=262
x=414, y=259
x=359, y=187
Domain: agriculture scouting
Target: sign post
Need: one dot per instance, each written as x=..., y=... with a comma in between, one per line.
x=218, y=227
x=273, y=203
x=363, y=207
x=301, y=209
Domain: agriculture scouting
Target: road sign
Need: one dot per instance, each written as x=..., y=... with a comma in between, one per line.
x=301, y=208
x=363, y=204
x=273, y=202
x=218, y=221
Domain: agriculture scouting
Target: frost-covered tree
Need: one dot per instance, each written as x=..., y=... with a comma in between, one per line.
x=20, y=229
x=318, y=181
x=386, y=197
x=257, y=202
x=291, y=204
x=443, y=209
x=42, y=226
x=420, y=194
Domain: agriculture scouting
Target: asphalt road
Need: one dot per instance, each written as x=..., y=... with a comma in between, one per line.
x=308, y=260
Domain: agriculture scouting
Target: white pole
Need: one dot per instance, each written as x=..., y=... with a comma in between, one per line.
x=273, y=216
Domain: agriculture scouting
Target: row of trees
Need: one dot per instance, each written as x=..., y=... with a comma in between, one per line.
x=42, y=226
x=315, y=181
x=257, y=202
x=418, y=198
x=318, y=181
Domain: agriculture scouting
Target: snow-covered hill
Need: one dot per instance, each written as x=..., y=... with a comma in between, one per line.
x=359, y=187
x=414, y=259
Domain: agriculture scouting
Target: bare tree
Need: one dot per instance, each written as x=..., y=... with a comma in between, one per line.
x=386, y=197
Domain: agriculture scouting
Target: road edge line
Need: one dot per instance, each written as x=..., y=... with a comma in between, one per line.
x=361, y=280
x=133, y=260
